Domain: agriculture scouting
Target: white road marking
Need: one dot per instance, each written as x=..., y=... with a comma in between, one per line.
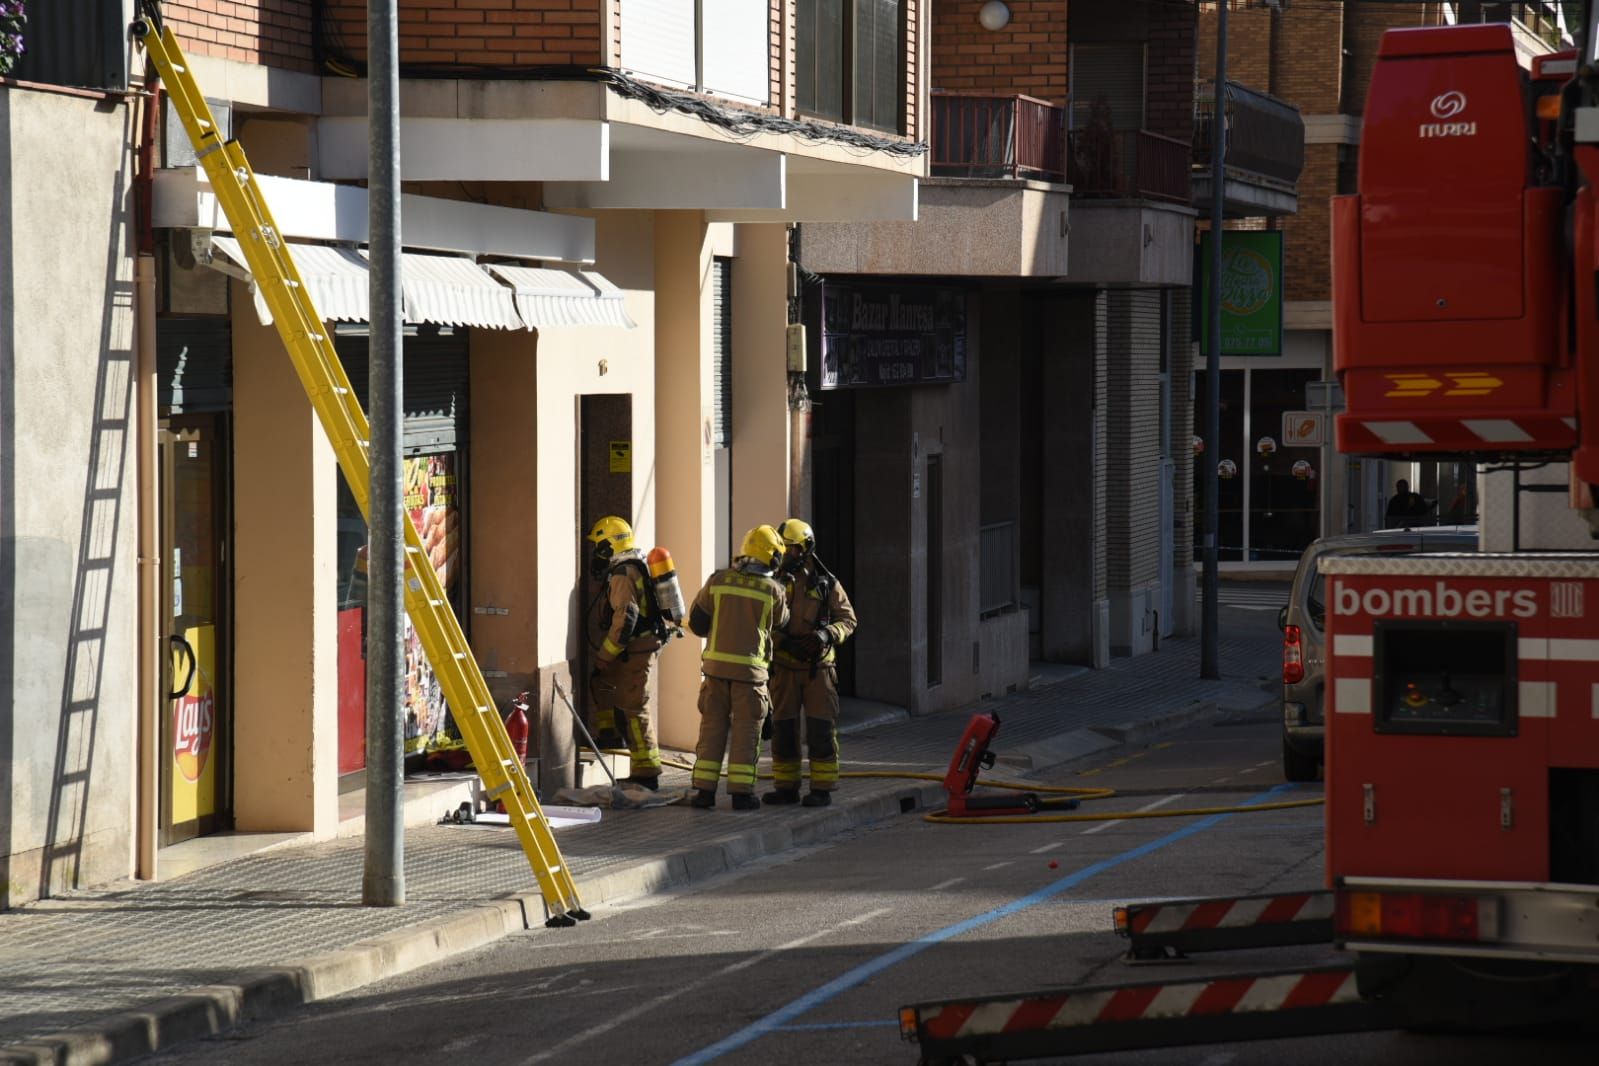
x=1146, y=807
x=1220, y=1058
x=1058, y=843
x=945, y=884
x=1222, y=781
x=1268, y=762
x=1249, y=770
x=557, y=1050
x=995, y=866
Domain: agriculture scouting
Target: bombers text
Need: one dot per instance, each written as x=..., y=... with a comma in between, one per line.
x=1439, y=601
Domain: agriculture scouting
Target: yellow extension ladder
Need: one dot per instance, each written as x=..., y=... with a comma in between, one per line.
x=328, y=388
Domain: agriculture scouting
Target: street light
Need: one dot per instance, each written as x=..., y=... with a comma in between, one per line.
x=994, y=16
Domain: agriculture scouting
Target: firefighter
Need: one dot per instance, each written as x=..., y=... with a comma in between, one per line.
x=620, y=680
x=804, y=677
x=740, y=610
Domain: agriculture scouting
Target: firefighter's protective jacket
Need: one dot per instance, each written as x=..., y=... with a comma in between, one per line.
x=739, y=614
x=814, y=603
x=632, y=620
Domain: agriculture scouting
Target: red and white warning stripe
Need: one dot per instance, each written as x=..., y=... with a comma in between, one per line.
x=1543, y=431
x=1229, y=913
x=1188, y=999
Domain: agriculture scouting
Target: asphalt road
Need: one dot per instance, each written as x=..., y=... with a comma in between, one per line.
x=806, y=959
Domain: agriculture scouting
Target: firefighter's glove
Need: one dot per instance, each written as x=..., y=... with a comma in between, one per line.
x=824, y=639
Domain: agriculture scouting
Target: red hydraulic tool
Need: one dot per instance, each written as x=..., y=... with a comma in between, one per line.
x=971, y=756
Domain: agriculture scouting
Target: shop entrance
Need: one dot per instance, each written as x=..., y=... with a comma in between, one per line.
x=605, y=487
x=196, y=738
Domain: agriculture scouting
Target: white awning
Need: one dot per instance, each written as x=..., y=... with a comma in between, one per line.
x=442, y=289
x=335, y=278
x=548, y=298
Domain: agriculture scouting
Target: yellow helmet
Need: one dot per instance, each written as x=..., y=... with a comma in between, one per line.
x=797, y=533
x=799, y=541
x=612, y=531
x=764, y=546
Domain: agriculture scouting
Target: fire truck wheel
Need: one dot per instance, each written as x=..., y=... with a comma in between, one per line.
x=1296, y=766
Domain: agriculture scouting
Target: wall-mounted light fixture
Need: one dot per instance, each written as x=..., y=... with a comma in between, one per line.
x=994, y=16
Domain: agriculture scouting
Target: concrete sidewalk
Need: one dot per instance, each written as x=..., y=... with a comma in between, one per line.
x=107, y=974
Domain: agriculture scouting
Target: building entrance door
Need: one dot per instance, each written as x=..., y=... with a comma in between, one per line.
x=196, y=752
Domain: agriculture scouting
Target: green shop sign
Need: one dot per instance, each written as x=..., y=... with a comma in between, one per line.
x=1251, y=293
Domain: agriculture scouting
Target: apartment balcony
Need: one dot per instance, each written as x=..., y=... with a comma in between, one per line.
x=991, y=135
x=994, y=206
x=1265, y=152
x=1127, y=165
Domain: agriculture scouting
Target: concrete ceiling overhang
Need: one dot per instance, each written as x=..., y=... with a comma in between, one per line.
x=319, y=210
x=595, y=150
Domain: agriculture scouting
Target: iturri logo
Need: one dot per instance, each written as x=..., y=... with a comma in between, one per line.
x=1448, y=105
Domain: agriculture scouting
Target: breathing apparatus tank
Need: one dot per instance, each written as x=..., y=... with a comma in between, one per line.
x=664, y=584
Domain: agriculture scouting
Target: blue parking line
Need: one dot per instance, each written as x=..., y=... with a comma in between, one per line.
x=867, y=970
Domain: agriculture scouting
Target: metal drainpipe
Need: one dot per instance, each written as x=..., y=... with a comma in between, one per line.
x=148, y=489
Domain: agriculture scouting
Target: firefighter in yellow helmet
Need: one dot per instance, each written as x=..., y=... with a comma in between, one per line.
x=739, y=612
x=620, y=681
x=804, y=677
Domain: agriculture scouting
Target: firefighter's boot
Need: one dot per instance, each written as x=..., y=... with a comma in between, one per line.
x=703, y=798
x=745, y=801
x=781, y=797
x=816, y=799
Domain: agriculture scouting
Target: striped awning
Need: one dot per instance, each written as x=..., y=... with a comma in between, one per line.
x=335, y=279
x=547, y=298
x=440, y=289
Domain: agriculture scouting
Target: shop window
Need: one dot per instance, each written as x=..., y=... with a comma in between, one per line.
x=850, y=62
x=1234, y=467
x=1284, y=496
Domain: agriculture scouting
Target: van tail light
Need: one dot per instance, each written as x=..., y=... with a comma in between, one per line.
x=1415, y=916
x=1293, y=656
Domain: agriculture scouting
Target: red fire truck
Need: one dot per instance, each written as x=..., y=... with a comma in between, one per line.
x=1462, y=774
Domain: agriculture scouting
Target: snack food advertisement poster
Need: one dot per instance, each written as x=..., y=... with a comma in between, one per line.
x=432, y=502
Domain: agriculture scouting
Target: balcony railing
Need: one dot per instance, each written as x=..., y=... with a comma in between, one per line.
x=1127, y=164
x=1265, y=135
x=981, y=135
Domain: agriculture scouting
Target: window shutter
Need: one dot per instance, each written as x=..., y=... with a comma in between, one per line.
x=737, y=62
x=1114, y=71
x=658, y=40
x=722, y=352
x=436, y=384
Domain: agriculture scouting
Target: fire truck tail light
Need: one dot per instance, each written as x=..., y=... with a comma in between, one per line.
x=1293, y=656
x=1416, y=916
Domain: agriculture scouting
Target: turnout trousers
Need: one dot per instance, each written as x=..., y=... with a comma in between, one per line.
x=623, y=686
x=801, y=699
x=731, y=713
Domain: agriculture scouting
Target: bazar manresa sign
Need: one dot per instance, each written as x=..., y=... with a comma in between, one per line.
x=900, y=335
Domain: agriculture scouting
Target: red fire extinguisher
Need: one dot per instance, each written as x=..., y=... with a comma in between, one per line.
x=516, y=724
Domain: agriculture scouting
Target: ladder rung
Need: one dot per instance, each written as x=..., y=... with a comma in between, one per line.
x=498, y=790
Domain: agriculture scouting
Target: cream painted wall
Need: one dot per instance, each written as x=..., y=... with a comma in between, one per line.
x=593, y=360
x=502, y=452
x=67, y=495
x=286, y=654
x=685, y=507
x=761, y=424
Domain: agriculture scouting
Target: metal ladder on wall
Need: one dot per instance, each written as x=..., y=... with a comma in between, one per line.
x=311, y=350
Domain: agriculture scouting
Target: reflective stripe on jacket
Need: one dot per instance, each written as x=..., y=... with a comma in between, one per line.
x=744, y=611
x=625, y=586
x=805, y=611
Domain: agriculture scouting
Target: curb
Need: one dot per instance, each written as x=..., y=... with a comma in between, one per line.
x=259, y=995
x=1042, y=754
